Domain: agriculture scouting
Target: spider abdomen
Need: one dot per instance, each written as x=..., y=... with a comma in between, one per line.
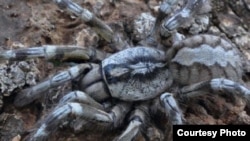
x=205, y=57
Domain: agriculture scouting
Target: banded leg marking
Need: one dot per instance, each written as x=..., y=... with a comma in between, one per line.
x=90, y=19
x=216, y=85
x=172, y=109
x=138, y=120
x=53, y=52
x=30, y=94
x=184, y=16
x=80, y=111
x=53, y=121
x=80, y=97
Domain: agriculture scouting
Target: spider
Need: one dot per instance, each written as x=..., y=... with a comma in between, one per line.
x=135, y=82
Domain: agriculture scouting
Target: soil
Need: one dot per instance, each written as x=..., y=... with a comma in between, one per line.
x=33, y=23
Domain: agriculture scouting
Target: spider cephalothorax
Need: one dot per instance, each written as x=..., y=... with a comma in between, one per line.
x=136, y=81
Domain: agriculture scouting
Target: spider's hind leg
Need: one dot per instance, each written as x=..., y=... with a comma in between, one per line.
x=216, y=85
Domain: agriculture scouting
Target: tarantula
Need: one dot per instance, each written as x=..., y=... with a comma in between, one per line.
x=136, y=81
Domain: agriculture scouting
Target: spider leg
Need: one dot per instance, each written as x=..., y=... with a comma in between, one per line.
x=184, y=16
x=30, y=94
x=80, y=97
x=216, y=85
x=74, y=110
x=137, y=121
x=83, y=98
x=166, y=8
x=90, y=19
x=53, y=52
x=171, y=108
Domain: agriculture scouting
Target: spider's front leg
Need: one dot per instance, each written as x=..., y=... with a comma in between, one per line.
x=91, y=20
x=84, y=111
x=53, y=52
x=60, y=53
x=28, y=95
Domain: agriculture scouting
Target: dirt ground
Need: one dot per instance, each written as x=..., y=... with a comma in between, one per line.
x=29, y=23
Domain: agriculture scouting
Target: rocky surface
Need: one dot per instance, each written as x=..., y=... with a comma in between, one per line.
x=38, y=22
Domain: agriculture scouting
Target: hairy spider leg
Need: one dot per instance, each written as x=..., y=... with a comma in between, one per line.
x=91, y=20
x=137, y=122
x=140, y=117
x=171, y=108
x=80, y=97
x=184, y=16
x=74, y=110
x=61, y=53
x=216, y=85
x=28, y=95
x=166, y=7
x=165, y=25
